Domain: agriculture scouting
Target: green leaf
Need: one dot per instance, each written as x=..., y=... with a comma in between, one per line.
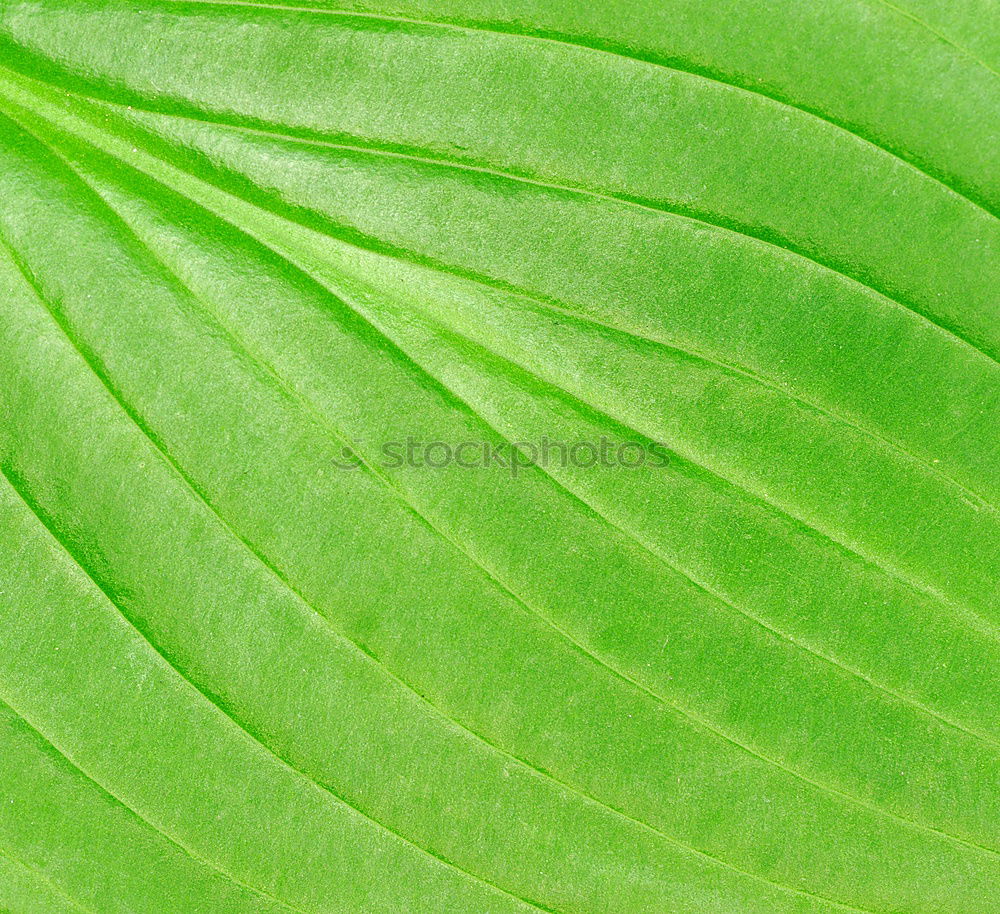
x=704, y=618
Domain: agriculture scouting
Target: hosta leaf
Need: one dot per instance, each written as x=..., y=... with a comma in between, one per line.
x=257, y=656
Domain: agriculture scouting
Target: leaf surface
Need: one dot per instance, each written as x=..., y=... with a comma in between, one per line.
x=251, y=662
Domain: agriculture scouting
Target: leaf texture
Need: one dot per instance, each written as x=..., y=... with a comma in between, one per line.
x=241, y=243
